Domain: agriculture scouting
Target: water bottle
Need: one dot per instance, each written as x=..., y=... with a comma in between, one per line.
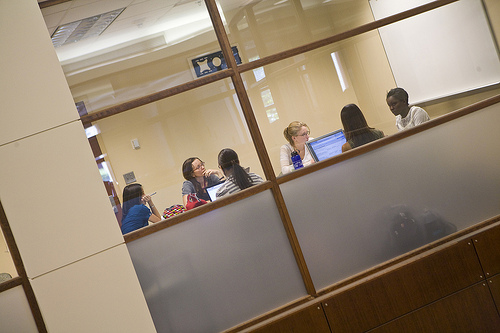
x=296, y=160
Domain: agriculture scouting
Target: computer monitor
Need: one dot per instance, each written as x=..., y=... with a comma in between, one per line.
x=327, y=145
x=212, y=191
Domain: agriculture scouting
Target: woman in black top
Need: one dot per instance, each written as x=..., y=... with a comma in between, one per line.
x=356, y=130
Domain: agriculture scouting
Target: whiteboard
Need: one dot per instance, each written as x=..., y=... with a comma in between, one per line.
x=445, y=51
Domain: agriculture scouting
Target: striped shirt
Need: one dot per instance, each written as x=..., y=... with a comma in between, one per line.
x=230, y=186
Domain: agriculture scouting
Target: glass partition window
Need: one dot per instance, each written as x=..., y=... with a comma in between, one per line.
x=363, y=211
x=313, y=88
x=151, y=46
x=262, y=28
x=154, y=140
x=7, y=268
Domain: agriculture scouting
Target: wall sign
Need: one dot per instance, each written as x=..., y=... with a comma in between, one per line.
x=212, y=62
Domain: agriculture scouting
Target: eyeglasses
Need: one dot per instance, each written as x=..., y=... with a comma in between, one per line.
x=199, y=166
x=306, y=133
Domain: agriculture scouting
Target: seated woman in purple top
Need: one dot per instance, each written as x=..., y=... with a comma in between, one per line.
x=135, y=214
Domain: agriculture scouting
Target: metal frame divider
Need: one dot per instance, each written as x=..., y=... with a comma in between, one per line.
x=259, y=144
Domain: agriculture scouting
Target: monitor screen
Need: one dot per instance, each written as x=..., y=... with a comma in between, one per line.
x=327, y=145
x=212, y=191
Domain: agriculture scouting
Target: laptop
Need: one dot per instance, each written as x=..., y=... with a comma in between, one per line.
x=212, y=191
x=327, y=145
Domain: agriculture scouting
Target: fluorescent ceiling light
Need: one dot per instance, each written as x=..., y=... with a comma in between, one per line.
x=88, y=27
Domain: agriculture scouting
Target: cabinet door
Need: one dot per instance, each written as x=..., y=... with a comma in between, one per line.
x=487, y=244
x=405, y=289
x=494, y=284
x=470, y=310
x=309, y=320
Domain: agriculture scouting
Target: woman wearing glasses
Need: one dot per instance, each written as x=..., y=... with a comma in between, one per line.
x=297, y=134
x=198, y=179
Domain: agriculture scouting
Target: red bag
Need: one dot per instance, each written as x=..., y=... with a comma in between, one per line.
x=173, y=210
x=193, y=201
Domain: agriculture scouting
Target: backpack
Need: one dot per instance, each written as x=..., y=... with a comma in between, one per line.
x=406, y=232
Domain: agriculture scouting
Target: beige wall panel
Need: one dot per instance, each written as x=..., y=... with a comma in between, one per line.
x=15, y=314
x=54, y=199
x=34, y=95
x=98, y=294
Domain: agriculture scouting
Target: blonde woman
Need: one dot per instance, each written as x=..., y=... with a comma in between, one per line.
x=297, y=134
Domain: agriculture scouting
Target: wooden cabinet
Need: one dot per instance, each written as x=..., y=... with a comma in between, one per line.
x=487, y=244
x=309, y=320
x=451, y=289
x=400, y=291
x=494, y=284
x=470, y=310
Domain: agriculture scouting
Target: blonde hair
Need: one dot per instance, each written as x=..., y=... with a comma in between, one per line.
x=293, y=130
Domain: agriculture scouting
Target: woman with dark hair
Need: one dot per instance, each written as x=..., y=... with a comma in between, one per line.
x=406, y=116
x=135, y=214
x=356, y=130
x=198, y=179
x=237, y=178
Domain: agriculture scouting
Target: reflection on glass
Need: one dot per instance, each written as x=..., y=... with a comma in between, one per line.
x=262, y=28
x=339, y=69
x=149, y=47
x=259, y=73
x=272, y=115
x=7, y=268
x=267, y=98
x=91, y=131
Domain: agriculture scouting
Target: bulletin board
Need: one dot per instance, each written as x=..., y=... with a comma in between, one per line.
x=443, y=52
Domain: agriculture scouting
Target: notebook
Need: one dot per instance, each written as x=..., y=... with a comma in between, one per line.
x=327, y=145
x=212, y=191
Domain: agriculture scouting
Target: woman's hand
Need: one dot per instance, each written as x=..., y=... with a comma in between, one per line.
x=209, y=172
x=146, y=199
x=155, y=217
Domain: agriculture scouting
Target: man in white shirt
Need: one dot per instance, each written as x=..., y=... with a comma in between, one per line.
x=406, y=116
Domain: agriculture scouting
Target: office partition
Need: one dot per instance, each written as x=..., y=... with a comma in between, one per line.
x=235, y=263
x=444, y=179
x=219, y=269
